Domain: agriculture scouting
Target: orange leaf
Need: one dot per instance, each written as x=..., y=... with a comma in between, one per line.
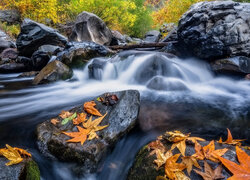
x=54, y=121
x=209, y=173
x=80, y=118
x=171, y=167
x=22, y=152
x=80, y=136
x=89, y=108
x=230, y=139
x=65, y=114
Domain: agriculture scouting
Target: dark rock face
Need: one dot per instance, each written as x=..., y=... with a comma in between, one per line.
x=12, y=67
x=152, y=36
x=144, y=166
x=216, y=29
x=5, y=41
x=33, y=35
x=95, y=67
x=27, y=170
x=50, y=49
x=9, y=53
x=76, y=52
x=10, y=16
x=235, y=65
x=89, y=27
x=54, y=71
x=39, y=59
x=121, y=118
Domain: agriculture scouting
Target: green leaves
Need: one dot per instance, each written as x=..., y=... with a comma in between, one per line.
x=66, y=120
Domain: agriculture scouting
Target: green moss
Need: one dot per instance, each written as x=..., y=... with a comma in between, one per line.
x=32, y=171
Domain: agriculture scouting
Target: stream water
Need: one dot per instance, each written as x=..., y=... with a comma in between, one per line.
x=175, y=94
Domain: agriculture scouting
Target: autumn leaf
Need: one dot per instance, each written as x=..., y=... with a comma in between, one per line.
x=89, y=107
x=156, y=145
x=209, y=173
x=230, y=139
x=80, y=118
x=54, y=121
x=208, y=152
x=161, y=157
x=66, y=120
x=171, y=167
x=22, y=152
x=242, y=171
x=11, y=154
x=65, y=114
x=176, y=136
x=190, y=161
x=181, y=175
x=80, y=136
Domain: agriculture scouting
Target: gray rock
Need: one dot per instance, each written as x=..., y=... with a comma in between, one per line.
x=9, y=53
x=5, y=41
x=152, y=36
x=95, y=67
x=12, y=67
x=29, y=74
x=26, y=170
x=33, y=35
x=119, y=37
x=39, y=60
x=120, y=117
x=10, y=16
x=89, y=27
x=235, y=65
x=77, y=54
x=50, y=49
x=216, y=29
x=54, y=71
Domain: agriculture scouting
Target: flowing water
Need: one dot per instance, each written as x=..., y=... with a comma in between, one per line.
x=175, y=94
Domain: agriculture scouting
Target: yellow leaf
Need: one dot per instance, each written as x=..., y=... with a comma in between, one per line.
x=11, y=154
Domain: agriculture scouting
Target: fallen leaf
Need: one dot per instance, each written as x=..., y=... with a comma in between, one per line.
x=65, y=114
x=230, y=139
x=22, y=152
x=242, y=171
x=181, y=175
x=54, y=121
x=208, y=152
x=171, y=167
x=80, y=136
x=161, y=157
x=156, y=145
x=176, y=136
x=190, y=161
x=89, y=107
x=80, y=118
x=181, y=146
x=11, y=154
x=66, y=120
x=209, y=173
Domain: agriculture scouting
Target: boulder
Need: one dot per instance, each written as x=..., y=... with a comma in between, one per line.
x=26, y=170
x=216, y=29
x=33, y=35
x=144, y=167
x=10, y=16
x=5, y=41
x=236, y=65
x=152, y=36
x=78, y=53
x=50, y=49
x=39, y=60
x=9, y=53
x=89, y=27
x=29, y=74
x=54, y=71
x=119, y=37
x=12, y=67
x=121, y=118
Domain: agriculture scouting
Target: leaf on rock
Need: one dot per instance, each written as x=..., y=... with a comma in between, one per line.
x=80, y=118
x=65, y=114
x=156, y=145
x=11, y=154
x=89, y=107
x=242, y=171
x=161, y=157
x=54, y=121
x=181, y=175
x=181, y=146
x=209, y=173
x=171, y=167
x=176, y=136
x=66, y=120
x=230, y=139
x=208, y=152
x=190, y=161
x=80, y=136
x=22, y=152
x=161, y=178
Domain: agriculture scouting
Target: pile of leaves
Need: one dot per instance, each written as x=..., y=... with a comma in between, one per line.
x=13, y=154
x=175, y=171
x=87, y=127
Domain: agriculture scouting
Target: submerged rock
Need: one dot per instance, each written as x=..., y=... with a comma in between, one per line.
x=121, y=118
x=89, y=27
x=54, y=71
x=33, y=35
x=216, y=29
x=26, y=170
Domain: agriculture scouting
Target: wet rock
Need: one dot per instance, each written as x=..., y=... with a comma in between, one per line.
x=10, y=16
x=89, y=27
x=119, y=37
x=171, y=36
x=152, y=36
x=235, y=65
x=121, y=118
x=29, y=74
x=33, y=35
x=50, y=49
x=27, y=170
x=77, y=54
x=96, y=68
x=216, y=29
x=39, y=60
x=12, y=67
x=5, y=41
x=144, y=167
x=54, y=71
x=247, y=77
x=9, y=53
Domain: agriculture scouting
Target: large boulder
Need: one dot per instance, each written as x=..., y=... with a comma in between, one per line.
x=121, y=118
x=216, y=29
x=89, y=27
x=54, y=71
x=39, y=60
x=5, y=41
x=33, y=35
x=10, y=16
